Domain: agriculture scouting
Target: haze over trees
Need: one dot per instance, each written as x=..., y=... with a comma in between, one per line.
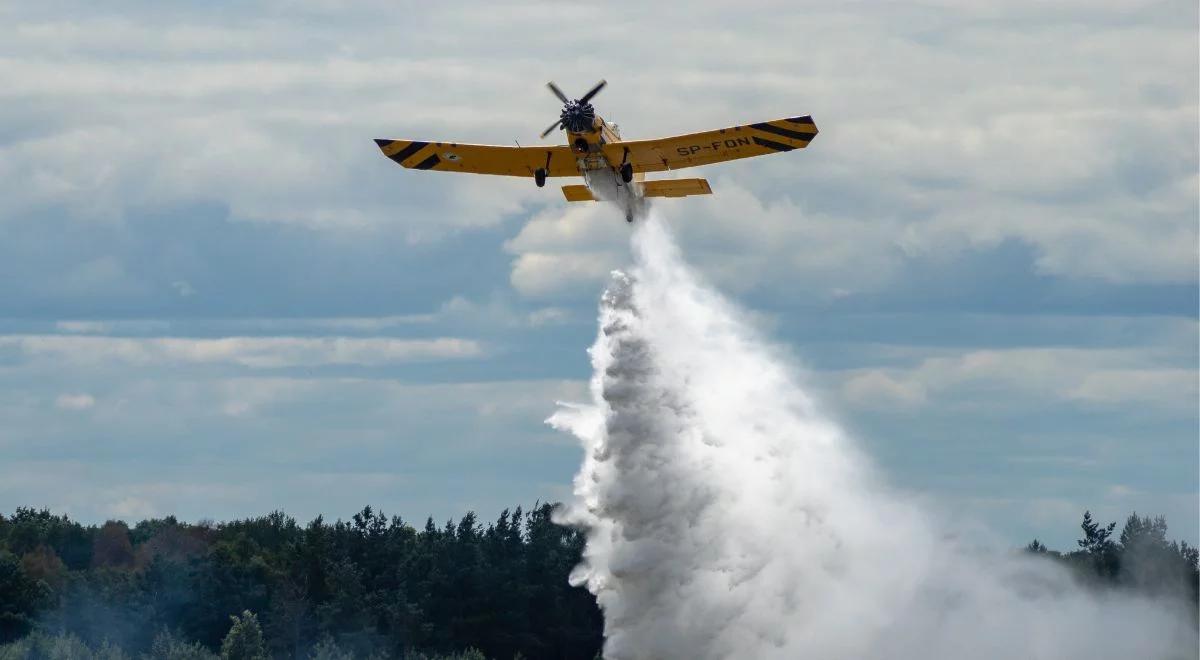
x=269, y=587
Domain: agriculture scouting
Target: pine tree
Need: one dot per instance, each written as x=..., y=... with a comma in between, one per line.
x=1149, y=562
x=245, y=639
x=1099, y=547
x=1095, y=538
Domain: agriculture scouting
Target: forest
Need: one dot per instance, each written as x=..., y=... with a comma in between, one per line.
x=375, y=586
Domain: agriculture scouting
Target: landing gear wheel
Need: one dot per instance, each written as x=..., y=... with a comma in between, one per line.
x=627, y=172
x=539, y=177
x=629, y=216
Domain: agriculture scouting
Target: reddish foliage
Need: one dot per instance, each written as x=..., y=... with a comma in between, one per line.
x=111, y=547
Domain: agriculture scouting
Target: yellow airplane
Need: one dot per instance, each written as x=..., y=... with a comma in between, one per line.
x=612, y=169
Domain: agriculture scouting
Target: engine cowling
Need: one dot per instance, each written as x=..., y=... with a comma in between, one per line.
x=578, y=117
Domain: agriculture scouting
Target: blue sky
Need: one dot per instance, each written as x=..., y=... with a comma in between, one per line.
x=220, y=299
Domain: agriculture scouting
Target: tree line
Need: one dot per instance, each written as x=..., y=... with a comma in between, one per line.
x=369, y=585
x=1140, y=559
x=374, y=586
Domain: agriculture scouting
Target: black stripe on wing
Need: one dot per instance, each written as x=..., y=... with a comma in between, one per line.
x=771, y=144
x=407, y=152
x=785, y=132
x=428, y=162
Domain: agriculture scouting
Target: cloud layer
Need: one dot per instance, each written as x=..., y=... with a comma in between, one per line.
x=987, y=256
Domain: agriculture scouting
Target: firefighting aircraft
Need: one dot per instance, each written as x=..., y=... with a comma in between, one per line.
x=613, y=169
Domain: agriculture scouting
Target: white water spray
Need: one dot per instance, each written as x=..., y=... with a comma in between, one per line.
x=726, y=518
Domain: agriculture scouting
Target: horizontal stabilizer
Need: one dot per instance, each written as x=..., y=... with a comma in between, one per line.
x=578, y=194
x=676, y=188
x=665, y=188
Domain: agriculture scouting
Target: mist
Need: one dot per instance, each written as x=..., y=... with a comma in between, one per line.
x=727, y=516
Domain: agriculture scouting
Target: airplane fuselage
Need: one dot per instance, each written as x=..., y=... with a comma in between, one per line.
x=600, y=175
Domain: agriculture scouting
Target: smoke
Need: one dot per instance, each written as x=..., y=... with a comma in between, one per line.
x=727, y=517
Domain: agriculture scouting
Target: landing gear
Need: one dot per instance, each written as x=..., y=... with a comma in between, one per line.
x=629, y=215
x=539, y=177
x=627, y=172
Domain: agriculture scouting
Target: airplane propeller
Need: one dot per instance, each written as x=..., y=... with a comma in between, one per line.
x=593, y=91
x=558, y=92
x=578, y=113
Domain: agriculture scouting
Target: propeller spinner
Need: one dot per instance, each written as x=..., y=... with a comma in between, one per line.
x=577, y=115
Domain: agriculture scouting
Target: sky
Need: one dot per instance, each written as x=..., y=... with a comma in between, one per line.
x=220, y=299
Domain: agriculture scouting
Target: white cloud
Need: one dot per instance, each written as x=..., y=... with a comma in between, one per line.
x=458, y=311
x=84, y=327
x=548, y=316
x=362, y=323
x=133, y=508
x=253, y=352
x=74, y=401
x=183, y=288
x=1124, y=240
x=106, y=35
x=1154, y=387
x=741, y=242
x=952, y=125
x=374, y=407
x=540, y=275
x=498, y=313
x=988, y=378
x=872, y=389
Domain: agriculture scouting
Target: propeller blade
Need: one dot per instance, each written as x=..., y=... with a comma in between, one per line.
x=557, y=92
x=593, y=91
x=552, y=127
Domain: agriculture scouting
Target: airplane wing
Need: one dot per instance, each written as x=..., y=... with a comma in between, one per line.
x=694, y=149
x=480, y=158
